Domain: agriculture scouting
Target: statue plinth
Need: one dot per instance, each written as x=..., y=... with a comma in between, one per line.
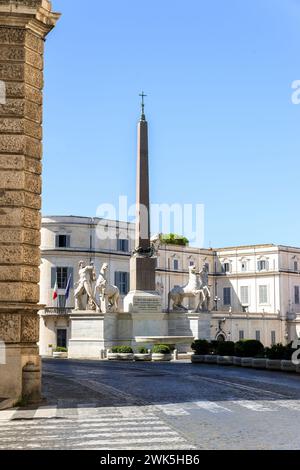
x=142, y=302
x=142, y=273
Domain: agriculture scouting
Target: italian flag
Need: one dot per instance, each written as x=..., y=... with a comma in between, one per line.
x=55, y=290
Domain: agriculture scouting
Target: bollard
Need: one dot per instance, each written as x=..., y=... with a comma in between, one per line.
x=175, y=355
x=31, y=383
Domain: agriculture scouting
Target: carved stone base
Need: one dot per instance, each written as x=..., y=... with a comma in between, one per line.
x=19, y=333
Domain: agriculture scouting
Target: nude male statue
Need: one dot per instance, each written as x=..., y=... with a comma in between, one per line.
x=87, y=276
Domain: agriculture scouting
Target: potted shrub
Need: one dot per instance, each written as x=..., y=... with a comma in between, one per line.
x=60, y=353
x=275, y=354
x=225, y=351
x=246, y=350
x=200, y=348
x=124, y=353
x=142, y=355
x=161, y=352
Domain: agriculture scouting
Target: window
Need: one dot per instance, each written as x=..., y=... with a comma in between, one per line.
x=226, y=267
x=176, y=264
x=227, y=295
x=192, y=263
x=244, y=266
x=273, y=337
x=61, y=275
x=241, y=335
x=296, y=266
x=257, y=335
x=62, y=241
x=263, y=294
x=122, y=282
x=297, y=295
x=61, y=338
x=262, y=265
x=244, y=295
x=122, y=245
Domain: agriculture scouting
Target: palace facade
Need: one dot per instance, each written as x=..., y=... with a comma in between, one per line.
x=255, y=289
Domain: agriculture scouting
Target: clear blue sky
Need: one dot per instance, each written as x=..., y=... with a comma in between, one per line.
x=223, y=129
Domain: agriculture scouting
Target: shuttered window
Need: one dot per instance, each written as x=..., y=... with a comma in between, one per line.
x=122, y=282
x=244, y=295
x=62, y=241
x=227, y=295
x=263, y=294
x=297, y=295
x=61, y=275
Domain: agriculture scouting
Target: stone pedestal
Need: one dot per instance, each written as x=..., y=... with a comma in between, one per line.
x=190, y=324
x=89, y=333
x=23, y=27
x=142, y=302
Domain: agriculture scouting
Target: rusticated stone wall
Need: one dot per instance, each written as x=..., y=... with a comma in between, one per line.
x=23, y=27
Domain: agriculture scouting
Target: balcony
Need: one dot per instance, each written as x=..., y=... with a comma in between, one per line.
x=59, y=311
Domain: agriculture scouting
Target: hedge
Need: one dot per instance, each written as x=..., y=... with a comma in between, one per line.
x=249, y=348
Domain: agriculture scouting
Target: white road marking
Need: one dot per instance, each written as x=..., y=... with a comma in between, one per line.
x=293, y=405
x=173, y=410
x=254, y=405
x=46, y=412
x=7, y=415
x=212, y=407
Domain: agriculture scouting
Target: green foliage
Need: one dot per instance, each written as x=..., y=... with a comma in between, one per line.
x=60, y=349
x=225, y=348
x=279, y=351
x=122, y=350
x=248, y=348
x=173, y=239
x=201, y=347
x=213, y=346
x=161, y=349
x=142, y=350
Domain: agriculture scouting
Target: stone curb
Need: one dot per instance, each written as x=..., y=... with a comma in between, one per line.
x=255, y=363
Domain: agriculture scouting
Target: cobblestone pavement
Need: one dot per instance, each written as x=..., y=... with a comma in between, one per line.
x=105, y=405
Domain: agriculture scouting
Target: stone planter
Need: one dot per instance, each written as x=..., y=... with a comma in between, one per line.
x=246, y=362
x=237, y=361
x=298, y=369
x=60, y=355
x=113, y=356
x=126, y=356
x=156, y=357
x=225, y=360
x=288, y=366
x=210, y=359
x=274, y=364
x=197, y=358
x=259, y=363
x=142, y=357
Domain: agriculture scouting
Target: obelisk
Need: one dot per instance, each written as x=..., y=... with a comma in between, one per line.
x=24, y=24
x=142, y=296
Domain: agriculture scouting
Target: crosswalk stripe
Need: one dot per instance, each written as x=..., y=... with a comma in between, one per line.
x=254, y=405
x=46, y=412
x=146, y=441
x=293, y=405
x=172, y=410
x=6, y=414
x=212, y=407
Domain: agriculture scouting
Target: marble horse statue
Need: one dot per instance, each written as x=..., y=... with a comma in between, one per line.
x=193, y=289
x=108, y=294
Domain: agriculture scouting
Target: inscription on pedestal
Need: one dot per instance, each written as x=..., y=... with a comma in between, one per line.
x=146, y=304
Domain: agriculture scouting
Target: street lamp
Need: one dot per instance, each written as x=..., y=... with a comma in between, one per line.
x=216, y=300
